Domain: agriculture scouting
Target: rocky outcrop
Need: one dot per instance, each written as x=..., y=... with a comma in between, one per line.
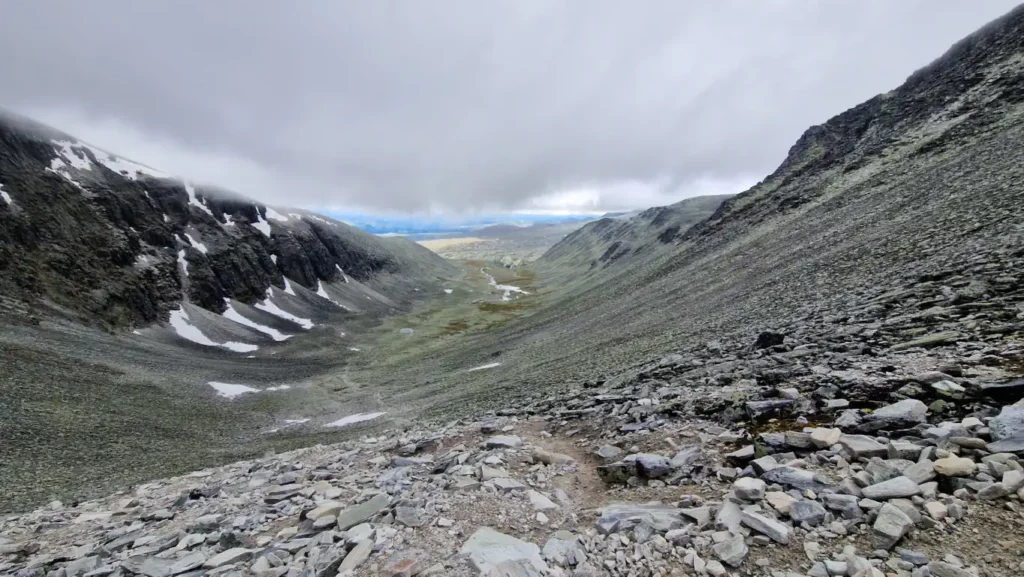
x=105, y=240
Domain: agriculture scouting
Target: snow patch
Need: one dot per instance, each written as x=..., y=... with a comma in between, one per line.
x=227, y=220
x=5, y=196
x=506, y=288
x=271, y=213
x=233, y=315
x=261, y=224
x=447, y=291
x=338, y=266
x=167, y=218
x=484, y=367
x=323, y=220
x=295, y=421
x=270, y=307
x=273, y=257
x=288, y=287
x=295, y=215
x=323, y=294
x=179, y=322
x=196, y=244
x=352, y=419
x=354, y=349
x=194, y=200
x=183, y=262
x=230, y=390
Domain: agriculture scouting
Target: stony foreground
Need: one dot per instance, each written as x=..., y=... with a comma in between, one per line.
x=885, y=441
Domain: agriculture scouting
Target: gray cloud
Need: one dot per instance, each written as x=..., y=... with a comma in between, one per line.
x=461, y=104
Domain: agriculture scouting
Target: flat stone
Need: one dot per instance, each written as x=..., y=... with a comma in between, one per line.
x=467, y=484
x=932, y=340
x=936, y=510
x=362, y=512
x=188, y=563
x=897, y=488
x=732, y=552
x=823, y=437
x=409, y=516
x=810, y=512
x=1013, y=480
x=685, y=457
x=620, y=516
x=549, y=458
x=749, y=489
x=773, y=529
x=540, y=502
x=505, y=485
x=324, y=509
x=356, y=557
x=942, y=569
x=797, y=478
x=608, y=452
x=1008, y=423
x=861, y=446
x=921, y=472
x=955, y=467
x=229, y=557
x=503, y=442
x=488, y=549
x=890, y=526
x=781, y=502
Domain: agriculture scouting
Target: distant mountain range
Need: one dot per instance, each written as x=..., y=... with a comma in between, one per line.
x=403, y=225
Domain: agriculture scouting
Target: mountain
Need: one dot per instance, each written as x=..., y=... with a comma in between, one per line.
x=613, y=241
x=908, y=202
x=107, y=240
x=134, y=306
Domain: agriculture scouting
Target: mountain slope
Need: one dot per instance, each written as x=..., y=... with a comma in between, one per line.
x=916, y=193
x=106, y=240
x=624, y=241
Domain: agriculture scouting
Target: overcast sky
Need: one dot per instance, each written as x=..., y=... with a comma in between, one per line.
x=475, y=105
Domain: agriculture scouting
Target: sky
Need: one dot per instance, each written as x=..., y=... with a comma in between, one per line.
x=463, y=106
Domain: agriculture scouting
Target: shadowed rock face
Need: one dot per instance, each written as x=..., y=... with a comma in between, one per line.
x=103, y=245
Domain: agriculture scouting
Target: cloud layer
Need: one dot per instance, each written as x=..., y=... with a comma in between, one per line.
x=464, y=105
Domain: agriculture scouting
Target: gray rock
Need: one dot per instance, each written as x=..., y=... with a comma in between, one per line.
x=921, y=472
x=608, y=452
x=797, y=478
x=810, y=512
x=775, y=530
x=650, y=466
x=749, y=489
x=490, y=551
x=623, y=516
x=943, y=569
x=188, y=562
x=229, y=557
x=561, y=544
x=860, y=446
x=732, y=551
x=409, y=516
x=685, y=457
x=1008, y=423
x=362, y=512
x=356, y=557
x=890, y=526
x=505, y=484
x=892, y=489
x=503, y=442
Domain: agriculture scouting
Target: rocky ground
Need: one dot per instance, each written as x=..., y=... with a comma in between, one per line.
x=887, y=441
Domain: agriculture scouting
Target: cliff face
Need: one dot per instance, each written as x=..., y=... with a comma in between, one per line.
x=106, y=240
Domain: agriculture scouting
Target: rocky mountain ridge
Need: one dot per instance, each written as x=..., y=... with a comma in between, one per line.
x=107, y=240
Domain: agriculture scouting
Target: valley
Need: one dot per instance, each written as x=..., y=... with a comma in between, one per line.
x=822, y=375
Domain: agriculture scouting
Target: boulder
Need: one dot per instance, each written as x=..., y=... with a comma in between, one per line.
x=488, y=550
x=904, y=414
x=897, y=488
x=890, y=526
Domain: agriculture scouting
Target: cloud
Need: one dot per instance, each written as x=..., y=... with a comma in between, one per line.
x=460, y=105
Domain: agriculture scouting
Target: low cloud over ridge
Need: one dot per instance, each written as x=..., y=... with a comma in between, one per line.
x=461, y=105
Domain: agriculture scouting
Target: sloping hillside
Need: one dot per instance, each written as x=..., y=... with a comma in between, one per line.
x=617, y=242
x=919, y=185
x=104, y=239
